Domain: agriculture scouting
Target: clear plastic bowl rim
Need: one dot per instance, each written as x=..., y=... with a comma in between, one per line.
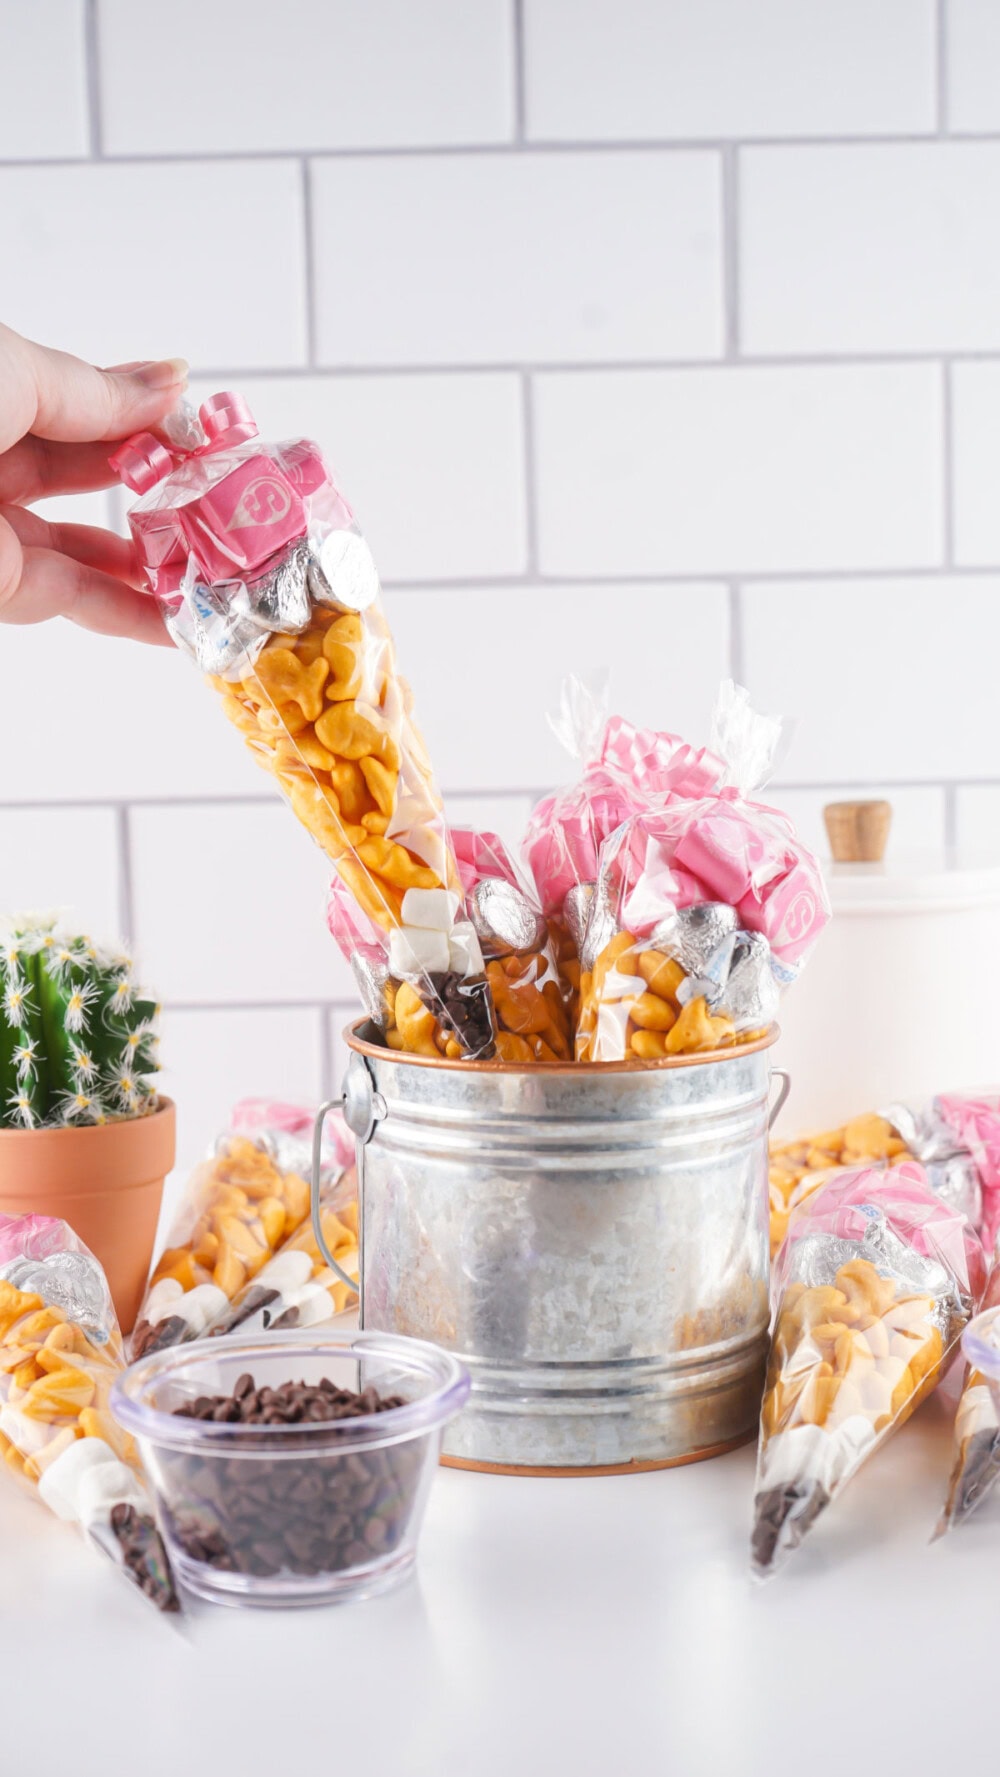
x=981, y=1343
x=223, y=1438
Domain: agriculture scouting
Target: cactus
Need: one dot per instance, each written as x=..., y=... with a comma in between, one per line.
x=77, y=1038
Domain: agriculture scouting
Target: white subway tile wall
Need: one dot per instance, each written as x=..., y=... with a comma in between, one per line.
x=645, y=335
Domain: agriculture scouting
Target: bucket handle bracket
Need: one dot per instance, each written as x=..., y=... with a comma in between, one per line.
x=781, y=1074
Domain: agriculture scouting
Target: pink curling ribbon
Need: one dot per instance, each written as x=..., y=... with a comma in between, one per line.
x=143, y=460
x=658, y=764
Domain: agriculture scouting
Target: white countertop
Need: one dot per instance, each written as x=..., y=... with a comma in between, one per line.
x=564, y=1628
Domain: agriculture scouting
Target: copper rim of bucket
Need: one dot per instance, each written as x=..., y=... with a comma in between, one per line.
x=642, y=1466
x=698, y=1058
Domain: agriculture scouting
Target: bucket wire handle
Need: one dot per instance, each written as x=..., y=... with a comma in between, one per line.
x=779, y=1073
x=332, y=1104
x=363, y=1107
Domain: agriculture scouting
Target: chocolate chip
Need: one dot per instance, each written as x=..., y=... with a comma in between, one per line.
x=158, y=1335
x=322, y=1514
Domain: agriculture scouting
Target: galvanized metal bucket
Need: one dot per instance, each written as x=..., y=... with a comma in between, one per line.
x=592, y=1240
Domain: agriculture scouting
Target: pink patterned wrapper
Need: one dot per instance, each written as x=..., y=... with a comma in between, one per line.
x=976, y=1122
x=223, y=501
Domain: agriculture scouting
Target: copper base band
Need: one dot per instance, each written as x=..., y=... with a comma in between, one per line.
x=614, y=1468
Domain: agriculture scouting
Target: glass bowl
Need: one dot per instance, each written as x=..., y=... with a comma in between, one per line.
x=292, y=1514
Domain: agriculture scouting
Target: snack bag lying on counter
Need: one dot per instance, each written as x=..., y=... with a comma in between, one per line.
x=976, y=1123
x=873, y=1285
x=977, y=1421
x=239, y=1207
x=799, y=1167
x=264, y=578
x=60, y=1351
x=976, y=1465
x=624, y=769
x=703, y=911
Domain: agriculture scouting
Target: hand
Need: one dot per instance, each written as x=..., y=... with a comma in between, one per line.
x=59, y=422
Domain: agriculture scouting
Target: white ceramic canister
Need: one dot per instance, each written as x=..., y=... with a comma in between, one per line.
x=901, y=997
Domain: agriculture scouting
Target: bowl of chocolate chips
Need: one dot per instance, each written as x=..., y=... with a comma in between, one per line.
x=292, y=1468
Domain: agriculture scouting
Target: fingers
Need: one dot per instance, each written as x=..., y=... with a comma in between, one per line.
x=38, y=583
x=35, y=467
x=94, y=547
x=74, y=401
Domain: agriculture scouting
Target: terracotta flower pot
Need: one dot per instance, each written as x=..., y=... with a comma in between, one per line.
x=106, y=1181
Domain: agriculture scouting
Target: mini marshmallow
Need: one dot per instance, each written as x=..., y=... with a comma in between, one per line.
x=59, y=1485
x=162, y=1296
x=105, y=1485
x=313, y=1304
x=464, y=953
x=416, y=951
x=434, y=910
x=200, y=1306
x=286, y=1271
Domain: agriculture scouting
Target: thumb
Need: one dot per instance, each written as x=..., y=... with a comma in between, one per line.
x=75, y=402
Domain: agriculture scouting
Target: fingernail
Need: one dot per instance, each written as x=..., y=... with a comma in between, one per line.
x=164, y=373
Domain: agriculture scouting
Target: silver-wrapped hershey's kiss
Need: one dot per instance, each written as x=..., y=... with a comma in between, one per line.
x=576, y=910
x=693, y=935
x=952, y=1172
x=504, y=919
x=751, y=993
x=277, y=600
x=219, y=641
x=602, y=926
x=71, y=1281
x=342, y=570
x=816, y=1258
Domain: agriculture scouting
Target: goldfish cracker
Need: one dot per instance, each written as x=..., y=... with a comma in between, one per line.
x=240, y=1207
x=629, y=1006
x=853, y=1357
x=271, y=588
x=297, y=1288
x=60, y=1352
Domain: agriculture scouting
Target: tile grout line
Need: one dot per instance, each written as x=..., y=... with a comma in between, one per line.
x=92, y=80
x=517, y=22
x=947, y=467
x=950, y=817
x=730, y=197
x=570, y=146
x=530, y=477
x=41, y=805
x=309, y=261
x=126, y=886
x=872, y=359
x=941, y=66
x=737, y=652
